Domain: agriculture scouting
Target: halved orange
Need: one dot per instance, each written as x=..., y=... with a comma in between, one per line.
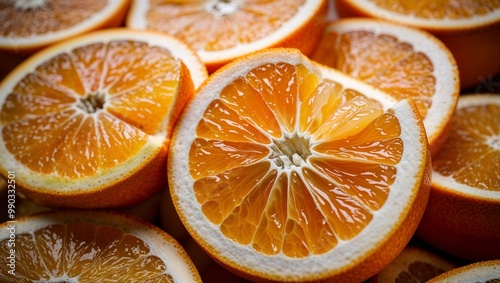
x=28, y=26
x=91, y=246
x=402, y=61
x=483, y=271
x=462, y=217
x=413, y=265
x=222, y=30
x=285, y=170
x=87, y=122
x=470, y=29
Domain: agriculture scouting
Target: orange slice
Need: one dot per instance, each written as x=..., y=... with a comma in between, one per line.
x=86, y=123
x=90, y=246
x=285, y=170
x=470, y=29
x=484, y=271
x=413, y=264
x=222, y=30
x=29, y=25
x=462, y=215
x=402, y=61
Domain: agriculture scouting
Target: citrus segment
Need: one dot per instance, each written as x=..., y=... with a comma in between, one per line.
x=93, y=246
x=401, y=61
x=221, y=31
x=305, y=184
x=461, y=217
x=28, y=26
x=93, y=114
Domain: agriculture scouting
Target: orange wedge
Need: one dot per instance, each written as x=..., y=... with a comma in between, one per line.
x=222, y=30
x=413, y=265
x=91, y=246
x=284, y=170
x=402, y=61
x=470, y=29
x=87, y=122
x=484, y=271
x=462, y=217
x=30, y=25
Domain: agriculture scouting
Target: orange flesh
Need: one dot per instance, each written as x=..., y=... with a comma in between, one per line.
x=84, y=251
x=439, y=9
x=222, y=24
x=51, y=16
x=383, y=61
x=471, y=153
x=90, y=109
x=292, y=164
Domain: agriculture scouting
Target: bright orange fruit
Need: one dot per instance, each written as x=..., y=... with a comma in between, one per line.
x=285, y=170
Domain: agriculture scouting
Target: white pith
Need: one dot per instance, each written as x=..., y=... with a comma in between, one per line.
x=280, y=266
x=444, y=99
x=150, y=149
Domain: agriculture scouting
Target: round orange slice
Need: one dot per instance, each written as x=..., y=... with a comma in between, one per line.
x=29, y=25
x=462, y=216
x=470, y=29
x=413, y=264
x=90, y=246
x=222, y=30
x=87, y=122
x=284, y=170
x=402, y=61
x=483, y=271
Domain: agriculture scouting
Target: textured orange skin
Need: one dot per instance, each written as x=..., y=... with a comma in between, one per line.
x=115, y=20
x=461, y=225
x=475, y=50
x=305, y=38
x=136, y=186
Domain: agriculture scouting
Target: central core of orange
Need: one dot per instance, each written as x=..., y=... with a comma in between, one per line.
x=290, y=151
x=223, y=7
x=92, y=103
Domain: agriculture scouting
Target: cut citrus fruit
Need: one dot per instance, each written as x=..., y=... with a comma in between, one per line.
x=91, y=246
x=413, y=265
x=483, y=271
x=462, y=216
x=470, y=29
x=222, y=30
x=286, y=170
x=87, y=122
x=30, y=25
x=402, y=61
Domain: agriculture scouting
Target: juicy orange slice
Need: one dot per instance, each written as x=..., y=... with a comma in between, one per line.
x=28, y=26
x=462, y=215
x=288, y=171
x=413, y=264
x=86, y=123
x=470, y=29
x=483, y=271
x=90, y=246
x=223, y=30
x=402, y=61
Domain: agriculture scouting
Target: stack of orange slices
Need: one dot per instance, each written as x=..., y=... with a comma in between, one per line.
x=280, y=146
